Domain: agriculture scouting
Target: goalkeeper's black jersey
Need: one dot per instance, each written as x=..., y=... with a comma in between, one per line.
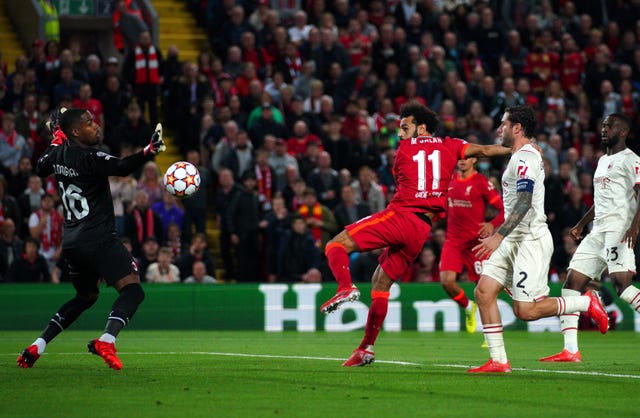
x=81, y=176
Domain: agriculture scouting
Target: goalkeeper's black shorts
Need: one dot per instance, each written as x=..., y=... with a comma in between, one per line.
x=86, y=265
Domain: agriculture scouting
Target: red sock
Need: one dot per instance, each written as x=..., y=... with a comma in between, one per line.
x=461, y=299
x=377, y=314
x=339, y=264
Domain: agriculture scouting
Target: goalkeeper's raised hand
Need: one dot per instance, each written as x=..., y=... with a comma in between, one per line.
x=156, y=145
x=58, y=137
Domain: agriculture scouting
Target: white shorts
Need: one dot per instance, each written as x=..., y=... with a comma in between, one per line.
x=522, y=267
x=599, y=250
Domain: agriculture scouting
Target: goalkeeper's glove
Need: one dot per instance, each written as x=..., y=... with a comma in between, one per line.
x=54, y=127
x=156, y=145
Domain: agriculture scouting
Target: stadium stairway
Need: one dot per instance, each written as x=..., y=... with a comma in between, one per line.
x=10, y=47
x=178, y=27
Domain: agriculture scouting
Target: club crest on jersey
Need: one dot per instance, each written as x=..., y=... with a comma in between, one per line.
x=522, y=170
x=468, y=190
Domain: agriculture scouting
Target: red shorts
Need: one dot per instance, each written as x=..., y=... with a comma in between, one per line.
x=401, y=234
x=458, y=254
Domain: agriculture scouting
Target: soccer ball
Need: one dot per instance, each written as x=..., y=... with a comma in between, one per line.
x=182, y=179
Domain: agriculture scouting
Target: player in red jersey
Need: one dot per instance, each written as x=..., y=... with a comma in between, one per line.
x=423, y=168
x=468, y=196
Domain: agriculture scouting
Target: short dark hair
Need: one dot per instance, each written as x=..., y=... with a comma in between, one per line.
x=525, y=116
x=622, y=118
x=69, y=118
x=421, y=114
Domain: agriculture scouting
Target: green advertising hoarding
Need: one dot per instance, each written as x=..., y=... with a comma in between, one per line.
x=269, y=307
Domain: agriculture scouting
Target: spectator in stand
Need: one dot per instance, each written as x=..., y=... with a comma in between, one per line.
x=364, y=152
x=299, y=32
x=151, y=183
x=29, y=200
x=163, y=270
x=324, y=180
x=297, y=145
x=68, y=86
x=240, y=156
x=134, y=130
x=199, y=274
x=298, y=257
x=20, y=181
x=225, y=193
x=30, y=267
x=367, y=190
x=280, y=161
x=149, y=255
x=197, y=251
x=319, y=218
x=95, y=75
x=196, y=206
x=143, y=68
x=85, y=101
x=349, y=210
x=127, y=26
x=188, y=92
x=123, y=191
x=426, y=268
x=266, y=125
x=45, y=225
x=327, y=52
x=336, y=144
x=266, y=179
x=114, y=100
x=142, y=223
x=244, y=216
x=276, y=222
x=11, y=247
x=30, y=124
x=174, y=240
x=13, y=146
x=170, y=213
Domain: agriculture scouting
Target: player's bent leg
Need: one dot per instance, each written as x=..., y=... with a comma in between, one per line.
x=573, y=286
x=337, y=252
x=364, y=355
x=123, y=309
x=61, y=320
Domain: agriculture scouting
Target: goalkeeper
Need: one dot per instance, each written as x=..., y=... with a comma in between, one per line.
x=91, y=249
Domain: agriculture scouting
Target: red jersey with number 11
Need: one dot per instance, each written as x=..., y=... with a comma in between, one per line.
x=423, y=169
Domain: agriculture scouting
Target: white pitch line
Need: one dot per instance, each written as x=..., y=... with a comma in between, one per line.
x=211, y=353
x=523, y=369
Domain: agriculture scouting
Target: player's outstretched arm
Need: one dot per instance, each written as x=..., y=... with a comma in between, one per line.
x=490, y=244
x=474, y=150
x=108, y=165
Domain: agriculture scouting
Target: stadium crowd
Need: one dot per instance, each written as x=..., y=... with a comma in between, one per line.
x=291, y=118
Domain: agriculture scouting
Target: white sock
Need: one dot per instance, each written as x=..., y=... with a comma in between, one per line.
x=569, y=324
x=495, y=342
x=469, y=306
x=107, y=338
x=572, y=304
x=369, y=348
x=41, y=344
x=631, y=295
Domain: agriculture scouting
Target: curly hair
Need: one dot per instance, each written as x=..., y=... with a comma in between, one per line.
x=421, y=114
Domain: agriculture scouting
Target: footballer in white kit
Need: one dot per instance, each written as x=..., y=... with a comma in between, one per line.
x=520, y=250
x=616, y=221
x=614, y=206
x=521, y=262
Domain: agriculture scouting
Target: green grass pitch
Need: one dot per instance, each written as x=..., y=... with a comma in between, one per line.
x=256, y=374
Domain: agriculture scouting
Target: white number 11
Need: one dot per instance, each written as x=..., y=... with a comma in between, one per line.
x=434, y=158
